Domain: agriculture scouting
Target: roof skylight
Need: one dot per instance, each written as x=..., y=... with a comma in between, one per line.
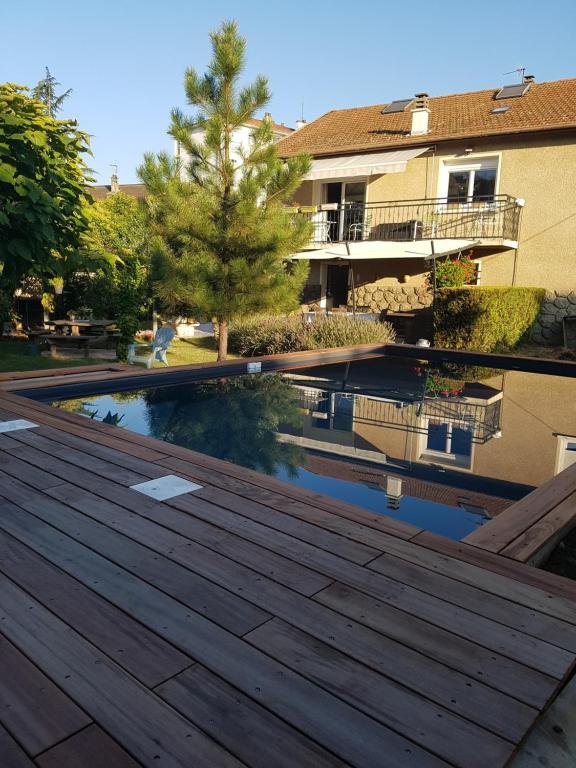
x=397, y=106
x=499, y=110
x=512, y=91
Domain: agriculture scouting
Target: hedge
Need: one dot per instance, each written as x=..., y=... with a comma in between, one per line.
x=486, y=318
x=275, y=335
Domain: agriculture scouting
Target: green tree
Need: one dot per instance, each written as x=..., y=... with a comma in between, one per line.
x=43, y=204
x=118, y=236
x=223, y=234
x=45, y=91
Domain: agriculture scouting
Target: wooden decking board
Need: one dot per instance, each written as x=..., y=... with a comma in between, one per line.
x=503, y=674
x=289, y=695
x=240, y=724
x=452, y=738
x=498, y=609
x=167, y=530
x=90, y=748
x=146, y=656
x=543, y=534
x=32, y=708
x=331, y=662
x=357, y=552
x=555, y=594
x=13, y=756
x=229, y=610
x=128, y=711
x=177, y=624
x=528, y=650
x=525, y=513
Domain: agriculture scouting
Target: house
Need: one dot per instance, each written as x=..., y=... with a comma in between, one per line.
x=101, y=191
x=490, y=173
x=241, y=137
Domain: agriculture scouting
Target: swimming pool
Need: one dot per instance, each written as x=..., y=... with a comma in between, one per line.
x=444, y=446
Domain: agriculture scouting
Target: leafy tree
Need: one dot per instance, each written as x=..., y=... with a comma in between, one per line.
x=45, y=91
x=223, y=235
x=43, y=211
x=118, y=235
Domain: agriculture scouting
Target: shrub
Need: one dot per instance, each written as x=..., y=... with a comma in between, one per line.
x=276, y=335
x=486, y=319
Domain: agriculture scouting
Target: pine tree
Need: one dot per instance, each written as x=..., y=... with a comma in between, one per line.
x=45, y=91
x=223, y=232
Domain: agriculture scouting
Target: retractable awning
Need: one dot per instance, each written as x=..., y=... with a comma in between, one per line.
x=348, y=166
x=375, y=249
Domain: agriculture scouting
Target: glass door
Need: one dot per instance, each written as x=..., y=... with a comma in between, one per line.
x=347, y=222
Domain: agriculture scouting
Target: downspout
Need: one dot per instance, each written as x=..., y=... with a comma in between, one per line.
x=353, y=287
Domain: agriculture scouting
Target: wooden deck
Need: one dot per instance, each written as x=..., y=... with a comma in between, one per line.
x=249, y=623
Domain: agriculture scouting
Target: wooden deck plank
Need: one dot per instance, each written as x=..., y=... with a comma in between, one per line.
x=91, y=748
x=551, y=586
x=137, y=718
x=240, y=724
x=455, y=739
x=543, y=535
x=13, y=756
x=500, y=672
x=494, y=667
x=146, y=656
x=228, y=610
x=133, y=719
x=524, y=513
x=32, y=708
x=529, y=650
x=186, y=630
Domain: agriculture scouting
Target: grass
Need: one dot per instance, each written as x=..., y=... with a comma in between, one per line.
x=188, y=351
x=19, y=356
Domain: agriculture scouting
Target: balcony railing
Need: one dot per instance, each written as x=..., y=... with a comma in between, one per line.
x=490, y=219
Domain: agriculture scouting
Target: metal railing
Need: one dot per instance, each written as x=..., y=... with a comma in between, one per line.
x=411, y=415
x=496, y=217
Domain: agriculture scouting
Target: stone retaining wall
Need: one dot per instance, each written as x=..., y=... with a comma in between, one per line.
x=548, y=327
x=396, y=298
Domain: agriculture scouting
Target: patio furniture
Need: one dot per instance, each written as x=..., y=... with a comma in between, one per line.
x=569, y=331
x=360, y=230
x=74, y=326
x=155, y=350
x=59, y=342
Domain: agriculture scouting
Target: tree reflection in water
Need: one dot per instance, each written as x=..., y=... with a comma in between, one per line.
x=233, y=419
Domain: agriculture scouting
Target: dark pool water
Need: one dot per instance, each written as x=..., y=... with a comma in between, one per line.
x=443, y=449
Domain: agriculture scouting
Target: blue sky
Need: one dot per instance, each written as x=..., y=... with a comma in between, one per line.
x=125, y=59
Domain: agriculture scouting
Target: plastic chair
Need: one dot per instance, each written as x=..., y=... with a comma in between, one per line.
x=155, y=350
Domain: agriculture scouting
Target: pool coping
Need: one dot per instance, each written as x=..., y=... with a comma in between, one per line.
x=525, y=532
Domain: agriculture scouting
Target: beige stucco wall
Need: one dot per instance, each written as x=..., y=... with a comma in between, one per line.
x=541, y=170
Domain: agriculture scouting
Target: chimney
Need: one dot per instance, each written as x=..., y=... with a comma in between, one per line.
x=114, y=186
x=268, y=116
x=528, y=79
x=420, y=115
x=300, y=124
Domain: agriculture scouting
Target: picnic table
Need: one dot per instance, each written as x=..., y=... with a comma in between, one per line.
x=74, y=326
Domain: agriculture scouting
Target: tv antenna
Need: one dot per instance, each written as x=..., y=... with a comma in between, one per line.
x=519, y=70
x=115, y=167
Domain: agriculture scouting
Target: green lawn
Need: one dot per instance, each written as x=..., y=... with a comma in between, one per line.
x=18, y=355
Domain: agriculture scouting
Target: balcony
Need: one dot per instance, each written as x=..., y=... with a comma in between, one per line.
x=487, y=222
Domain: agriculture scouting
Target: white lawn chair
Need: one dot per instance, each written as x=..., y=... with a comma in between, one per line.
x=155, y=350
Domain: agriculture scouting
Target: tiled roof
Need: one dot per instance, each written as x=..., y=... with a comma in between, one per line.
x=276, y=127
x=132, y=190
x=545, y=106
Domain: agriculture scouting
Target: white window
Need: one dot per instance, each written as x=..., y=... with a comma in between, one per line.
x=469, y=181
x=448, y=443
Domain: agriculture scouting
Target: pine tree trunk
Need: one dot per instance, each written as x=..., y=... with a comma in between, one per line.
x=222, y=339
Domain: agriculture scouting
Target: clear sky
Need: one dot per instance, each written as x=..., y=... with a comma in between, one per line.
x=125, y=59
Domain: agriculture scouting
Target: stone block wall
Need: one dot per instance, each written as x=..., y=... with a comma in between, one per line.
x=548, y=327
x=396, y=298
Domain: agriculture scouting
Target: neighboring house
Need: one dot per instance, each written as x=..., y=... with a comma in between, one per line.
x=101, y=191
x=491, y=172
x=241, y=137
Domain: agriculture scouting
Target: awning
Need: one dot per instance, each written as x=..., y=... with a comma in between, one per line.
x=348, y=166
x=377, y=249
